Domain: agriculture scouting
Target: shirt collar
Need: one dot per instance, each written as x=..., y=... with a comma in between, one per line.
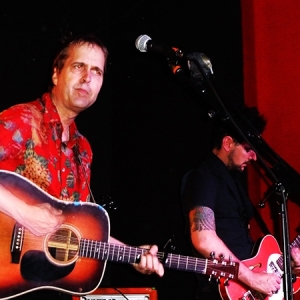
x=51, y=116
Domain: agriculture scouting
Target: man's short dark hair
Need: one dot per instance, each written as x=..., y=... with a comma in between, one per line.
x=248, y=119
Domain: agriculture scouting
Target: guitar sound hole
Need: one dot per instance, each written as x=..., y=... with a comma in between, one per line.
x=62, y=246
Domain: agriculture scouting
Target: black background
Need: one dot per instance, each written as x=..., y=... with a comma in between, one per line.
x=147, y=128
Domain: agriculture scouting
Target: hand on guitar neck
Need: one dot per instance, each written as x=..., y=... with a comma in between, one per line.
x=147, y=264
x=295, y=254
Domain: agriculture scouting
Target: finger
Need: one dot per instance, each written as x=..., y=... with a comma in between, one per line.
x=278, y=280
x=153, y=250
x=270, y=294
x=150, y=262
x=55, y=211
x=295, y=252
x=160, y=271
x=143, y=262
x=50, y=208
x=158, y=266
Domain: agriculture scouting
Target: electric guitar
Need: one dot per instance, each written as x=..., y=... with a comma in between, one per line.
x=73, y=258
x=268, y=259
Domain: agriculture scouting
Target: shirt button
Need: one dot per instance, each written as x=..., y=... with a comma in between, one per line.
x=63, y=169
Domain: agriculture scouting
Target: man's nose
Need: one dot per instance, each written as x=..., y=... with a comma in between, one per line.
x=86, y=76
x=252, y=155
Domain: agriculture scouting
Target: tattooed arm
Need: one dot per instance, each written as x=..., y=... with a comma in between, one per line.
x=203, y=232
x=205, y=240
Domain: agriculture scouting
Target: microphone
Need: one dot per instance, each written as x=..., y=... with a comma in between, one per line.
x=145, y=44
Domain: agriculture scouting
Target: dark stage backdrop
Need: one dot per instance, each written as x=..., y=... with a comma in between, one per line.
x=147, y=128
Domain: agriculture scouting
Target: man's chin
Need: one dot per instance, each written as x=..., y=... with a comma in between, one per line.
x=238, y=168
x=242, y=167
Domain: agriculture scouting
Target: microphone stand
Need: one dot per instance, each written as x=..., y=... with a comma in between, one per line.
x=199, y=82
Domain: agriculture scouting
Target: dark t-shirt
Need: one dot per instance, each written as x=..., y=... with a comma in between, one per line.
x=213, y=186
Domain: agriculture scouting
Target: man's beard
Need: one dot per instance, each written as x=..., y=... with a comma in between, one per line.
x=231, y=165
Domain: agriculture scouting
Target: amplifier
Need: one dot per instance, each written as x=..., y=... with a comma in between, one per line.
x=144, y=293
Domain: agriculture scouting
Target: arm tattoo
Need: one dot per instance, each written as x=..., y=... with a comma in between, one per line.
x=202, y=218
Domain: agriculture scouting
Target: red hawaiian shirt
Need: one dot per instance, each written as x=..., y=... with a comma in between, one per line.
x=31, y=145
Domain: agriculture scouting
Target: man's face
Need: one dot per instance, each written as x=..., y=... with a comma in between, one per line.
x=240, y=156
x=77, y=85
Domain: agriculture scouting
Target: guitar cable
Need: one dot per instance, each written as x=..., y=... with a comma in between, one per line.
x=120, y=293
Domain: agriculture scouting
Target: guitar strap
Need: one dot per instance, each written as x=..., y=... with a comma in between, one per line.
x=79, y=162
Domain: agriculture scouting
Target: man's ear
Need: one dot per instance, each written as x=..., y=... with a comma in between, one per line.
x=227, y=143
x=54, y=76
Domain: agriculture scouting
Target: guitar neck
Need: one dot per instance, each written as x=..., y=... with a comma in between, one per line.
x=127, y=254
x=294, y=244
x=112, y=252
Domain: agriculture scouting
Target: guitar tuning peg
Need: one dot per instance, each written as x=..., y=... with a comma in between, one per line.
x=212, y=255
x=221, y=257
x=209, y=278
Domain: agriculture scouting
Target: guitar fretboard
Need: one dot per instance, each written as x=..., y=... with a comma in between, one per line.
x=127, y=254
x=112, y=252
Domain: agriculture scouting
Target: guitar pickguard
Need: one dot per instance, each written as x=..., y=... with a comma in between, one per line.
x=36, y=267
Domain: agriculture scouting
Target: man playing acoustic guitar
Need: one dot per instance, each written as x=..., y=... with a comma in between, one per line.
x=39, y=140
x=218, y=210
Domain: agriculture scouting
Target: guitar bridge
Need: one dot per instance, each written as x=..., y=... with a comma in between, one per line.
x=16, y=243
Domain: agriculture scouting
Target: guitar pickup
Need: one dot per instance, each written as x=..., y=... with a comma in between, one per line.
x=16, y=243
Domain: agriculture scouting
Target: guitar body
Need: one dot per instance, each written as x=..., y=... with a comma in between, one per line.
x=30, y=263
x=264, y=261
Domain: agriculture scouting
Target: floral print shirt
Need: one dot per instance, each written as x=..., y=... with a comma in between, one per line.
x=31, y=145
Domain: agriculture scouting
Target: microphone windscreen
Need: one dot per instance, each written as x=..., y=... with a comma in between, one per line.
x=141, y=42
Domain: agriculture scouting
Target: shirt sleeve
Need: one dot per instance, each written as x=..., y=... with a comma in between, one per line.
x=13, y=131
x=199, y=188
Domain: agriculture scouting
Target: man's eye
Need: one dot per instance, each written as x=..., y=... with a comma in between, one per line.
x=98, y=72
x=78, y=66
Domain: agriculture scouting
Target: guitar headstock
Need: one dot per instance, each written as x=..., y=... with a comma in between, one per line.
x=222, y=269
